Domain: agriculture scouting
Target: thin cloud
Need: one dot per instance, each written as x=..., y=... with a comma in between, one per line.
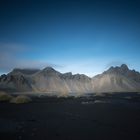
x=9, y=58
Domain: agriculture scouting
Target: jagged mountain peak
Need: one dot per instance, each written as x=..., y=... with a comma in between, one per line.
x=125, y=71
x=49, y=69
x=81, y=76
x=124, y=67
x=67, y=75
x=117, y=70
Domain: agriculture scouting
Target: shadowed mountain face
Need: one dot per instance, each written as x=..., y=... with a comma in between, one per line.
x=48, y=80
x=123, y=70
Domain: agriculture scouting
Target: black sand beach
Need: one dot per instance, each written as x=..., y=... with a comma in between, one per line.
x=108, y=117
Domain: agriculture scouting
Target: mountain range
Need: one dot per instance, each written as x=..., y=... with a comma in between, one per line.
x=48, y=80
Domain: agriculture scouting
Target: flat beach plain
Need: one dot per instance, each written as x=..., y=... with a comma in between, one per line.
x=110, y=116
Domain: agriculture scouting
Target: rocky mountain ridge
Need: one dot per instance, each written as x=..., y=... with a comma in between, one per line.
x=48, y=80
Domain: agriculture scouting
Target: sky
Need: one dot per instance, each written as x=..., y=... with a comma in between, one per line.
x=79, y=36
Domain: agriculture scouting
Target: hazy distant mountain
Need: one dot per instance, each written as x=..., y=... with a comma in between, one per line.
x=48, y=80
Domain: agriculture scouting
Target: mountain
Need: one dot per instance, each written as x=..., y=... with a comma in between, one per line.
x=15, y=82
x=48, y=80
x=117, y=79
x=124, y=70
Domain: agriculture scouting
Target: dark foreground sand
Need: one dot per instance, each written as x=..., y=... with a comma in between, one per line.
x=112, y=117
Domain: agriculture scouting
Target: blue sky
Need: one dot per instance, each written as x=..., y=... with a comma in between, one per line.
x=81, y=36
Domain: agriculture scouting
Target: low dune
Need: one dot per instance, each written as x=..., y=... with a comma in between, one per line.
x=20, y=99
x=4, y=96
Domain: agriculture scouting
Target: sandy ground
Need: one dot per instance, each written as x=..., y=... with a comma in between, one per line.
x=108, y=117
